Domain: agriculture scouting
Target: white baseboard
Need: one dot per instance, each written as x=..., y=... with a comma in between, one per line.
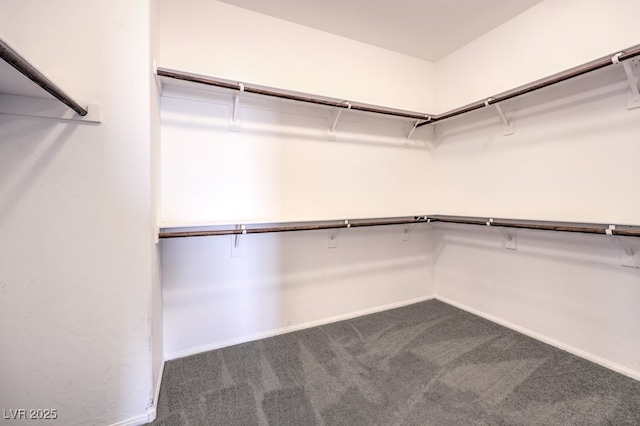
x=152, y=411
x=568, y=348
x=291, y=328
x=134, y=421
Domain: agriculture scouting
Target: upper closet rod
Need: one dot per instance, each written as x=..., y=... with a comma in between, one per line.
x=209, y=81
x=542, y=83
x=14, y=59
x=426, y=118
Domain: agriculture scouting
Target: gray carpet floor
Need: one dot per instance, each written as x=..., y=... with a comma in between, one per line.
x=424, y=364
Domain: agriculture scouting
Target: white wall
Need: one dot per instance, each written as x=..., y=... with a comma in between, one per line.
x=571, y=157
x=213, y=38
x=157, y=333
x=567, y=289
x=76, y=219
x=285, y=282
x=551, y=37
x=281, y=168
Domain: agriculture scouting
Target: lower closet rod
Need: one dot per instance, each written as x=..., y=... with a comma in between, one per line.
x=356, y=223
x=621, y=230
x=586, y=228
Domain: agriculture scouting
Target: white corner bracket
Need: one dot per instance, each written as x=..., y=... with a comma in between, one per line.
x=507, y=125
x=633, y=96
x=234, y=122
x=335, y=114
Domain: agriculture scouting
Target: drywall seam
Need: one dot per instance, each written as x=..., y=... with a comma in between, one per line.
x=540, y=337
x=289, y=329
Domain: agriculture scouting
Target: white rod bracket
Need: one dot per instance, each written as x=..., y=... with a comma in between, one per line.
x=633, y=97
x=333, y=239
x=331, y=134
x=628, y=256
x=236, y=247
x=405, y=233
x=510, y=239
x=609, y=231
x=508, y=126
x=415, y=126
x=234, y=123
x=333, y=235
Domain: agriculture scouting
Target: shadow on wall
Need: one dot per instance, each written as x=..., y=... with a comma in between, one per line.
x=572, y=108
x=214, y=299
x=28, y=148
x=597, y=251
x=265, y=117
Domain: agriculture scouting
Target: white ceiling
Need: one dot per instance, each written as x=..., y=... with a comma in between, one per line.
x=427, y=29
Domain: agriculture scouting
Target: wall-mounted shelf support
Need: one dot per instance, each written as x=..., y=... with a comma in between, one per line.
x=236, y=247
x=633, y=97
x=335, y=114
x=333, y=239
x=628, y=257
x=510, y=238
x=417, y=123
x=234, y=122
x=508, y=125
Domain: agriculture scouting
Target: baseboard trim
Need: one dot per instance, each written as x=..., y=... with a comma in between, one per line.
x=292, y=328
x=134, y=421
x=152, y=411
x=556, y=343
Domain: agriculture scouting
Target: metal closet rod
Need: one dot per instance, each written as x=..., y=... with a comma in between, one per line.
x=540, y=84
x=426, y=118
x=310, y=99
x=13, y=58
x=584, y=228
x=622, y=230
x=288, y=227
